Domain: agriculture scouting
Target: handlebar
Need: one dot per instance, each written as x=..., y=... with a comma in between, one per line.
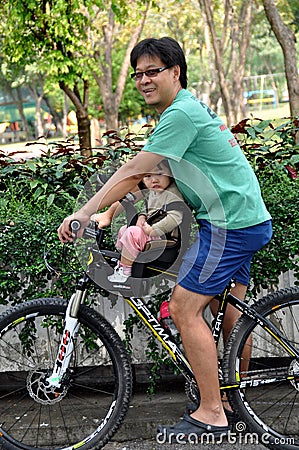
x=75, y=226
x=91, y=231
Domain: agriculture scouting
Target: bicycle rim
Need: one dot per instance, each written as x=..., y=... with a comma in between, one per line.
x=268, y=403
x=94, y=397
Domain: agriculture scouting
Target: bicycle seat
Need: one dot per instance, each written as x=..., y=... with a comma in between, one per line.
x=165, y=253
x=156, y=258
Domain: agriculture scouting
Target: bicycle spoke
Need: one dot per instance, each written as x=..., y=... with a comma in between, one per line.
x=39, y=415
x=269, y=375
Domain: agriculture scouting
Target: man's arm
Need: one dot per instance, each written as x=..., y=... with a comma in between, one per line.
x=126, y=179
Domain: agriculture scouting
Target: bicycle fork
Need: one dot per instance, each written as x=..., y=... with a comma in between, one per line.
x=70, y=330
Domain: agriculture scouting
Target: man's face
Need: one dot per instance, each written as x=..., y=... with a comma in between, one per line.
x=158, y=91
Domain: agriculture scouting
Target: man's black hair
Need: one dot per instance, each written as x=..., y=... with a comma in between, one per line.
x=165, y=48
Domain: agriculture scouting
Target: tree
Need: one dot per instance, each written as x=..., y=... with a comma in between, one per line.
x=17, y=81
x=15, y=94
x=112, y=86
x=287, y=40
x=230, y=42
x=80, y=101
x=73, y=41
x=50, y=35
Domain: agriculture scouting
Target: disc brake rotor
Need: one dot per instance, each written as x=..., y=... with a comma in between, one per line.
x=294, y=370
x=41, y=390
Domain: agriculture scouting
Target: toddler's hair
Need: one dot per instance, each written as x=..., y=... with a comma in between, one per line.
x=162, y=165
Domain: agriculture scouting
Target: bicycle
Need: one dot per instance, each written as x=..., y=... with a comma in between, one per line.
x=68, y=378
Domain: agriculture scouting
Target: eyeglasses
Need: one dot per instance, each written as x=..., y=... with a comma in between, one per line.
x=151, y=73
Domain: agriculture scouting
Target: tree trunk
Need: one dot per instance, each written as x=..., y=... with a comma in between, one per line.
x=56, y=119
x=286, y=39
x=111, y=113
x=240, y=41
x=39, y=118
x=18, y=100
x=234, y=40
x=84, y=132
x=19, y=103
x=81, y=114
x=209, y=80
x=112, y=98
x=65, y=111
x=206, y=5
x=38, y=97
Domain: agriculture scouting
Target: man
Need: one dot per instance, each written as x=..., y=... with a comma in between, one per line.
x=216, y=180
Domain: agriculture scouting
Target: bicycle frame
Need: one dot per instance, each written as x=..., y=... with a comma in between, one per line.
x=178, y=357
x=163, y=335
x=168, y=342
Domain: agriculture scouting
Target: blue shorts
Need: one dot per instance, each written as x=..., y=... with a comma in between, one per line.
x=218, y=255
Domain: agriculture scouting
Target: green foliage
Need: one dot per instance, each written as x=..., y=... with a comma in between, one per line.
x=52, y=39
x=281, y=195
x=154, y=352
x=273, y=153
x=53, y=178
x=27, y=337
x=123, y=145
x=269, y=143
x=23, y=274
x=55, y=31
x=35, y=196
x=271, y=148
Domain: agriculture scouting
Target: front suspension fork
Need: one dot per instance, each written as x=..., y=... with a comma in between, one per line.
x=70, y=330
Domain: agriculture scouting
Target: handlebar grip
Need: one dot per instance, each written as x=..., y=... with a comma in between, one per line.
x=75, y=225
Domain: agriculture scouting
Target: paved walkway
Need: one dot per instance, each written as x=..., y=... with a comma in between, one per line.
x=167, y=406
x=19, y=150
x=32, y=149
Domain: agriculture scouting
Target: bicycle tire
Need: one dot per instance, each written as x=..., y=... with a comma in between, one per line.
x=96, y=393
x=270, y=410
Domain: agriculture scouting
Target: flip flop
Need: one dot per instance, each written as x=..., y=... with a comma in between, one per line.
x=190, y=428
x=231, y=416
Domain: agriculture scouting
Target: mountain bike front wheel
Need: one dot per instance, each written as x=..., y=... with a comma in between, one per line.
x=268, y=398
x=94, y=397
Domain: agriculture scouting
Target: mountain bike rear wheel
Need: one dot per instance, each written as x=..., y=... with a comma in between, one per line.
x=268, y=400
x=94, y=397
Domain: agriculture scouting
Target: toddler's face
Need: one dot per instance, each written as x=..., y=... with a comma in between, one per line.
x=157, y=180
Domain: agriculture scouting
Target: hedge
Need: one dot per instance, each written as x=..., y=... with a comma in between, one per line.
x=37, y=194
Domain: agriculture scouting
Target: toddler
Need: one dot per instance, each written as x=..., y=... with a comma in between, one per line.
x=132, y=240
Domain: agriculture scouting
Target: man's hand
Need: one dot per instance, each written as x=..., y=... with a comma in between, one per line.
x=64, y=231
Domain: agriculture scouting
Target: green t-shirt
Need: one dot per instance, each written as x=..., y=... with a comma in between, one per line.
x=208, y=165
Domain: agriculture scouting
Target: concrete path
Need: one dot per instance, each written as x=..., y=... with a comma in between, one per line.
x=138, y=431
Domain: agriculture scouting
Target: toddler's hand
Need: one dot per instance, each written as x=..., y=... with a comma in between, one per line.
x=147, y=229
x=103, y=219
x=141, y=221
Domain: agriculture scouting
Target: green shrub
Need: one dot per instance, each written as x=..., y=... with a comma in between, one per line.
x=274, y=155
x=35, y=196
x=23, y=273
x=271, y=149
x=50, y=179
